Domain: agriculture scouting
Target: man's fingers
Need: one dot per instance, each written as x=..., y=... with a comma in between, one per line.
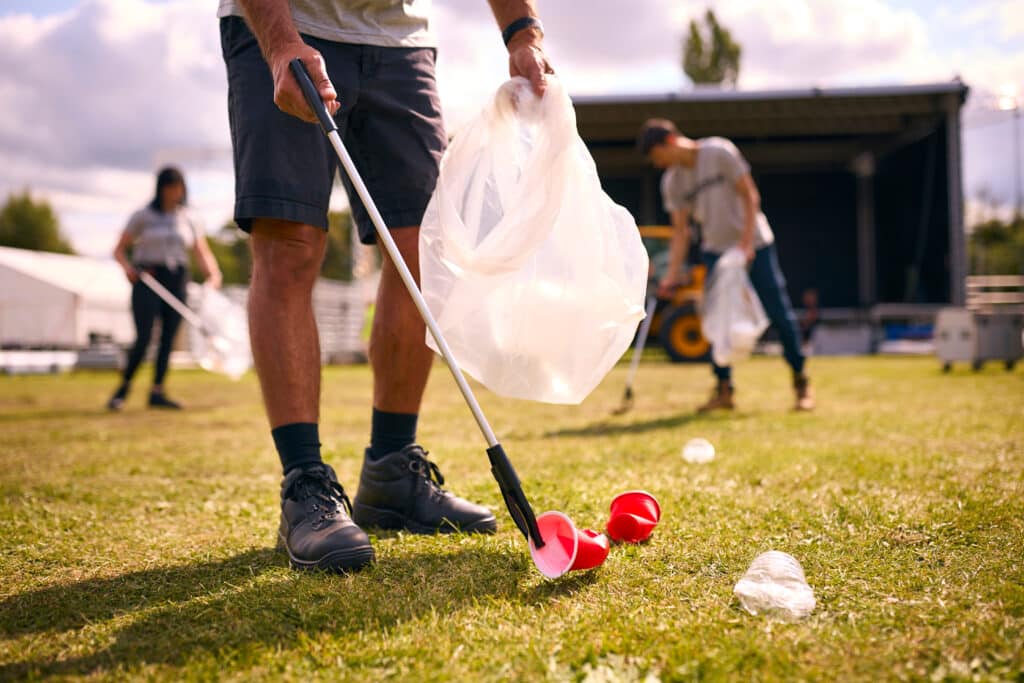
x=291, y=101
x=540, y=84
x=531, y=64
x=318, y=74
x=538, y=76
x=290, y=98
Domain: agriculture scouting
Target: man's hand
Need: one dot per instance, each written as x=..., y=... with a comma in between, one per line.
x=526, y=58
x=751, y=200
x=287, y=94
x=131, y=274
x=748, y=250
x=667, y=287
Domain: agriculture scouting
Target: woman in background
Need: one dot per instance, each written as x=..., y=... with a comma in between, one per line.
x=160, y=236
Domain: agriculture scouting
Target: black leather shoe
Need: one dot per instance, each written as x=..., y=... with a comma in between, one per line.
x=402, y=490
x=316, y=529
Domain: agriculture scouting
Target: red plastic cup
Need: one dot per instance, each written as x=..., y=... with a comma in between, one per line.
x=566, y=548
x=634, y=514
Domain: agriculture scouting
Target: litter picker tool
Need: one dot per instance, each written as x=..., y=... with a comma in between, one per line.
x=224, y=355
x=501, y=467
x=638, y=350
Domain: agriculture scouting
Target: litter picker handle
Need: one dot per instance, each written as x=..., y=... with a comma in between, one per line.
x=312, y=96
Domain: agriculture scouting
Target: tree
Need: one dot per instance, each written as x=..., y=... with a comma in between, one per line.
x=711, y=56
x=29, y=224
x=230, y=247
x=997, y=247
x=338, y=259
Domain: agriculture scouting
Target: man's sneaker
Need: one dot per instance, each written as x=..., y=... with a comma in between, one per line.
x=316, y=529
x=804, y=393
x=402, y=490
x=158, y=400
x=721, y=399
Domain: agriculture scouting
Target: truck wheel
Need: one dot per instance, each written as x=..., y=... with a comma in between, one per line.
x=681, y=336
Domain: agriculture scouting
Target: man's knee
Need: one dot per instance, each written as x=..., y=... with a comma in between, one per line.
x=286, y=254
x=408, y=242
x=407, y=238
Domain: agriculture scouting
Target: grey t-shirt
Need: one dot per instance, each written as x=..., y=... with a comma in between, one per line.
x=708, y=190
x=387, y=23
x=162, y=238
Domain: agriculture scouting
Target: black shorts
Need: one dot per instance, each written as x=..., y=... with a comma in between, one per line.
x=390, y=121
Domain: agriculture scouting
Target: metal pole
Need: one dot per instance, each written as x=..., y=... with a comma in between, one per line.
x=641, y=339
x=954, y=178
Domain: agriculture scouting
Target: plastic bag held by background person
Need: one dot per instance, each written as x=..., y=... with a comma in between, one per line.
x=222, y=344
x=535, y=276
x=733, y=318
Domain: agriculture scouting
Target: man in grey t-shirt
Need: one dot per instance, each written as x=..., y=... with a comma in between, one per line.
x=373, y=64
x=710, y=180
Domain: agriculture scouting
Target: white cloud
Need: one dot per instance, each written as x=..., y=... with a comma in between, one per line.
x=92, y=95
x=1011, y=19
x=789, y=42
x=95, y=97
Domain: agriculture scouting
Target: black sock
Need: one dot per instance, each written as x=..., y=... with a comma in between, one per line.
x=298, y=445
x=391, y=432
x=122, y=391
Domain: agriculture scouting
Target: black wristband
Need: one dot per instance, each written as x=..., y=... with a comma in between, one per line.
x=518, y=25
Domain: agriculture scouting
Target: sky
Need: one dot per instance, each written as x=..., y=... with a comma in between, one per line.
x=96, y=94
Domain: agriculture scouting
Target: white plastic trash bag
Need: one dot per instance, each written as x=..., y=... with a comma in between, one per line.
x=733, y=318
x=221, y=343
x=536, y=278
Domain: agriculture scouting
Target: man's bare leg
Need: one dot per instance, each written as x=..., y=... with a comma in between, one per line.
x=392, y=491
x=315, y=529
x=282, y=330
x=399, y=356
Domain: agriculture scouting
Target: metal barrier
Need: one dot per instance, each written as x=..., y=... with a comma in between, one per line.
x=995, y=293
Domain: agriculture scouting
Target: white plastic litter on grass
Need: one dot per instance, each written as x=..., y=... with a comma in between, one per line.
x=698, y=451
x=775, y=585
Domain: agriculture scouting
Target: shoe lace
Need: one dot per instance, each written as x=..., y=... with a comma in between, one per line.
x=316, y=484
x=428, y=469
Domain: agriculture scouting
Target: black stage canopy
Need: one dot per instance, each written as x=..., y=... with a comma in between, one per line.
x=862, y=186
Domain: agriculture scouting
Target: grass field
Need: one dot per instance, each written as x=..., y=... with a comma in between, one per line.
x=140, y=545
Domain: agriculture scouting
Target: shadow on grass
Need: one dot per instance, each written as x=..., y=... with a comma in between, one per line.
x=610, y=427
x=248, y=602
x=71, y=606
x=562, y=587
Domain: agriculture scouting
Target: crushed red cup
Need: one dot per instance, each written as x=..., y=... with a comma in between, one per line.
x=634, y=514
x=566, y=548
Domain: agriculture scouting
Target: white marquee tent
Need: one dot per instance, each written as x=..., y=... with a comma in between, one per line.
x=57, y=301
